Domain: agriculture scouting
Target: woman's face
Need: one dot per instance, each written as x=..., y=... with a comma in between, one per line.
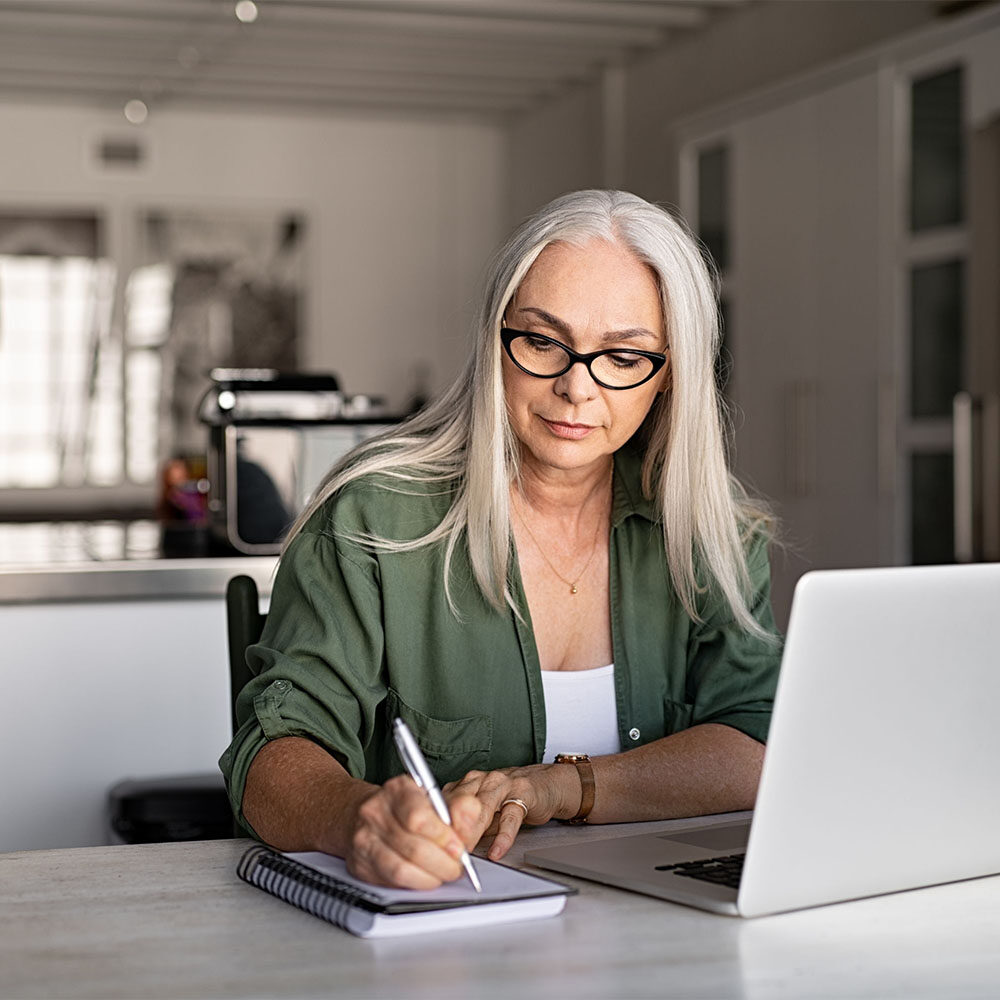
x=589, y=298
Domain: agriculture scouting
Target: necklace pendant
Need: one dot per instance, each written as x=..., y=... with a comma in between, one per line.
x=572, y=588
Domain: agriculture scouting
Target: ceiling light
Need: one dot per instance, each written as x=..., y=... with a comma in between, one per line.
x=246, y=11
x=136, y=112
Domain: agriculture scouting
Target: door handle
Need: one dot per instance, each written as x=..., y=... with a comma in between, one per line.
x=966, y=414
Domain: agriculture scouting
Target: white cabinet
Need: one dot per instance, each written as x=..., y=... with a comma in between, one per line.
x=819, y=292
x=109, y=671
x=804, y=330
x=97, y=692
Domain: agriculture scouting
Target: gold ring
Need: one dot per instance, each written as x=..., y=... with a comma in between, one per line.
x=516, y=802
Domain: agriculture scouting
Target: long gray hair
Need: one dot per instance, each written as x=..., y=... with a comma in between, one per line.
x=464, y=438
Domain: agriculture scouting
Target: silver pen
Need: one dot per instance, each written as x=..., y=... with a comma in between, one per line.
x=416, y=767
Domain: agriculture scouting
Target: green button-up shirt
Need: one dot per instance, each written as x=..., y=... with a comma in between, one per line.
x=356, y=636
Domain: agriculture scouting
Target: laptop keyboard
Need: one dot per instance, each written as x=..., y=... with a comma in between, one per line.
x=725, y=870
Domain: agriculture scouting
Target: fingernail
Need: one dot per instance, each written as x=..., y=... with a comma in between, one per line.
x=455, y=849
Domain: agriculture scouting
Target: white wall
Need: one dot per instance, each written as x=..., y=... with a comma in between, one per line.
x=403, y=214
x=555, y=149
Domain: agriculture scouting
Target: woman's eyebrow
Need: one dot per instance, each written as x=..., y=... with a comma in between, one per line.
x=611, y=337
x=547, y=318
x=633, y=333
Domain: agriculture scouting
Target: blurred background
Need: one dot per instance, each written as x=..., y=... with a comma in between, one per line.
x=237, y=237
x=314, y=185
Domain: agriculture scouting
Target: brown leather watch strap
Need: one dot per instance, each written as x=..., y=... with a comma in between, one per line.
x=587, y=788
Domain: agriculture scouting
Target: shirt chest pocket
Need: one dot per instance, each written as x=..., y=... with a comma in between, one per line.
x=452, y=746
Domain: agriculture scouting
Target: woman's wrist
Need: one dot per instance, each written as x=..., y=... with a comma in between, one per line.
x=341, y=816
x=568, y=790
x=580, y=762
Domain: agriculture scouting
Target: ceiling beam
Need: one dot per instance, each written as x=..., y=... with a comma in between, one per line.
x=113, y=78
x=329, y=99
x=673, y=14
x=152, y=65
x=104, y=18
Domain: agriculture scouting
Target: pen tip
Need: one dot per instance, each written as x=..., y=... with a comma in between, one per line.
x=473, y=877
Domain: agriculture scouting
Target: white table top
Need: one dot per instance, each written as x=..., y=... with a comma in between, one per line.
x=173, y=920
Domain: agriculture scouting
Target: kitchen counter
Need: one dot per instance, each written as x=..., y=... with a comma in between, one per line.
x=131, y=580
x=111, y=561
x=117, y=660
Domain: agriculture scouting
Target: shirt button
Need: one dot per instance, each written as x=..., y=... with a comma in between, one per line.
x=633, y=733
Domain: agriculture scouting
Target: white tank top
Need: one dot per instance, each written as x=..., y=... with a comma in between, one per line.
x=580, y=712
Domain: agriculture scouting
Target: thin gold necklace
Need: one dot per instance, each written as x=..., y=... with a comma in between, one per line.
x=572, y=584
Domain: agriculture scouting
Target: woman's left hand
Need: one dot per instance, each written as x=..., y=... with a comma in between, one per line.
x=517, y=795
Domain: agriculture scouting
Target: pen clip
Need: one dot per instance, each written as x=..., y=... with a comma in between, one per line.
x=409, y=754
x=411, y=767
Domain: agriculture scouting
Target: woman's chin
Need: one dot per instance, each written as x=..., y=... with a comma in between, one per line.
x=566, y=455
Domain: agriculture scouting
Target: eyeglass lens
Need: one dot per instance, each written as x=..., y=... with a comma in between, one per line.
x=542, y=357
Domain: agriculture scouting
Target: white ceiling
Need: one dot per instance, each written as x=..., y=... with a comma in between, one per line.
x=468, y=57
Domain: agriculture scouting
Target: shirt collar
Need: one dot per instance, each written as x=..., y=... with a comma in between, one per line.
x=627, y=497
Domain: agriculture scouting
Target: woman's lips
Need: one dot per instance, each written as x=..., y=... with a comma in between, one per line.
x=572, y=432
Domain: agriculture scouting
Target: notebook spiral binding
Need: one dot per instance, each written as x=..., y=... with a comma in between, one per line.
x=309, y=890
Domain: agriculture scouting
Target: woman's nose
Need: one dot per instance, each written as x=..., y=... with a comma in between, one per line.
x=576, y=385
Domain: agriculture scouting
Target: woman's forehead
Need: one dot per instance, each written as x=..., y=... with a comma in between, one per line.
x=597, y=278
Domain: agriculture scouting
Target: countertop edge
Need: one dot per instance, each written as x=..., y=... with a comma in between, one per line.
x=136, y=579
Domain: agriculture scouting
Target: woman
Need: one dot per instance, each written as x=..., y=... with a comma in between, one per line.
x=551, y=558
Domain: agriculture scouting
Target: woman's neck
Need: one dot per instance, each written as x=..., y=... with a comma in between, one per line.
x=564, y=494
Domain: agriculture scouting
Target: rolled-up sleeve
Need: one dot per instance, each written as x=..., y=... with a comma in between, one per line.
x=318, y=665
x=732, y=674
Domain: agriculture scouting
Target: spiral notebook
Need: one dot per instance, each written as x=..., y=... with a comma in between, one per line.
x=321, y=885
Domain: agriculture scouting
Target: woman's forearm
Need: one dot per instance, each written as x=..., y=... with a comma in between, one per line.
x=709, y=768
x=298, y=798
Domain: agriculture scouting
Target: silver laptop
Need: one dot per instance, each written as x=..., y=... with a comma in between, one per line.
x=882, y=769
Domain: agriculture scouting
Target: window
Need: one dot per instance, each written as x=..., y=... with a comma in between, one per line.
x=714, y=232
x=934, y=244
x=105, y=351
x=713, y=203
x=60, y=369
x=937, y=151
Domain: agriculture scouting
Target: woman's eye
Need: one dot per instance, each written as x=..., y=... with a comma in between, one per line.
x=625, y=361
x=539, y=344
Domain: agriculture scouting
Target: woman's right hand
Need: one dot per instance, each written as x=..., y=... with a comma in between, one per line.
x=298, y=798
x=398, y=839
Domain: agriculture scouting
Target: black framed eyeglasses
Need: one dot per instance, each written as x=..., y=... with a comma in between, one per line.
x=613, y=368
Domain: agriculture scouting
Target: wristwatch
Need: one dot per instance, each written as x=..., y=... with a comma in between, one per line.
x=586, y=772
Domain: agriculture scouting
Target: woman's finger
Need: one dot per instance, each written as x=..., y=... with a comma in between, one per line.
x=382, y=865
x=490, y=787
x=471, y=779
x=467, y=815
x=511, y=816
